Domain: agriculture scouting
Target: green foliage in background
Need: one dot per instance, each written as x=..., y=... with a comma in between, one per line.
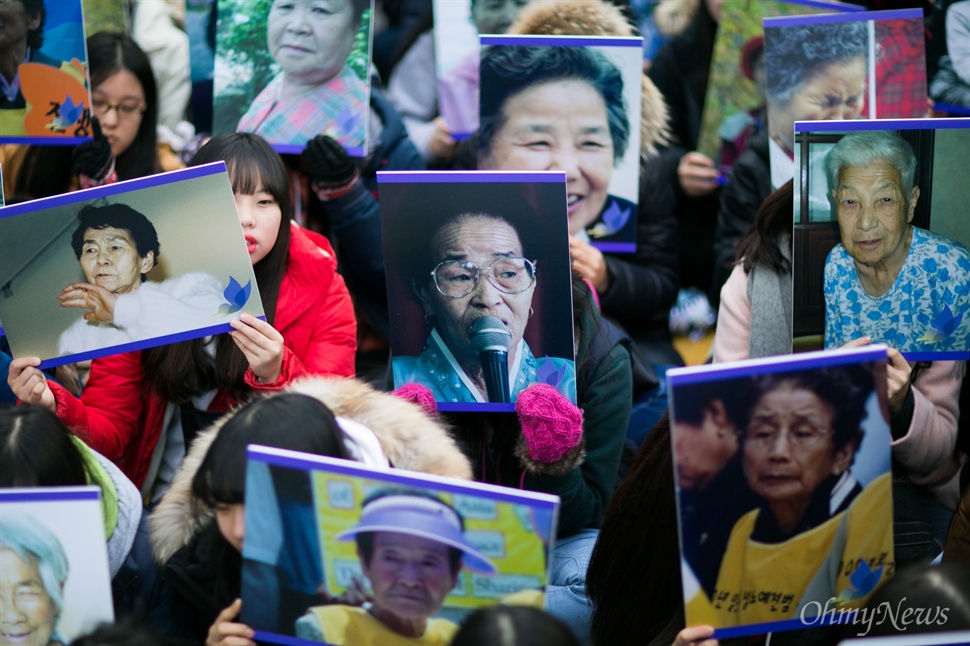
x=103, y=15
x=241, y=43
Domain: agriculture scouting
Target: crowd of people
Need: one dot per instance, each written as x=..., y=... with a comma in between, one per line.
x=163, y=431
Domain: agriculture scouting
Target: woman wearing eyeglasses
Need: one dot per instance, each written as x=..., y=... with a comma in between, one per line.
x=476, y=267
x=125, y=145
x=815, y=524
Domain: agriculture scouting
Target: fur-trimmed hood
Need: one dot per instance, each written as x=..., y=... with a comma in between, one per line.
x=673, y=16
x=409, y=438
x=597, y=18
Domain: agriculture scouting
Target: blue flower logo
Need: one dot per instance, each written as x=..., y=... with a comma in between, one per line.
x=863, y=581
x=236, y=296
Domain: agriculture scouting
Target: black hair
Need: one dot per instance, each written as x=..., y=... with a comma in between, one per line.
x=253, y=165
x=796, y=52
x=844, y=388
x=365, y=540
x=507, y=71
x=108, y=54
x=182, y=370
x=35, y=38
x=691, y=401
x=503, y=625
x=286, y=421
x=117, y=216
x=36, y=450
x=128, y=632
x=759, y=246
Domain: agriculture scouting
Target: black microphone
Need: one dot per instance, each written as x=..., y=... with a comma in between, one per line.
x=492, y=340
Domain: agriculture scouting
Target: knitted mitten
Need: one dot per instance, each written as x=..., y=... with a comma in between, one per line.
x=552, y=429
x=420, y=395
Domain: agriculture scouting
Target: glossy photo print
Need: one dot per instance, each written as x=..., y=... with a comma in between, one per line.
x=360, y=554
x=881, y=235
x=44, y=97
x=570, y=104
x=784, y=489
x=844, y=66
x=734, y=105
x=54, y=577
x=458, y=24
x=478, y=285
x=289, y=70
x=124, y=266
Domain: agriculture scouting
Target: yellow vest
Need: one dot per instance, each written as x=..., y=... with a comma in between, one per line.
x=759, y=582
x=347, y=625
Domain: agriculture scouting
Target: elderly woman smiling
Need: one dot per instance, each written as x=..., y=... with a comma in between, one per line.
x=560, y=108
x=802, y=435
x=316, y=92
x=476, y=267
x=888, y=280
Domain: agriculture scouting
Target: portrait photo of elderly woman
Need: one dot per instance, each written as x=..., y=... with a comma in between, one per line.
x=124, y=266
x=822, y=69
x=801, y=510
x=54, y=577
x=304, y=77
x=117, y=247
x=887, y=279
x=33, y=571
x=482, y=297
x=564, y=107
x=412, y=548
x=798, y=447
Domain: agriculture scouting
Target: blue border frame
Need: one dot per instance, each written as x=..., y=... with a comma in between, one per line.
x=128, y=186
x=952, y=109
x=883, y=124
x=44, y=141
x=187, y=335
x=827, y=4
x=308, y=462
x=50, y=494
x=561, y=41
x=470, y=177
x=768, y=365
x=832, y=18
x=296, y=149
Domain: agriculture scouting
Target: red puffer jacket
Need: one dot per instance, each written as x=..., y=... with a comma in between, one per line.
x=119, y=416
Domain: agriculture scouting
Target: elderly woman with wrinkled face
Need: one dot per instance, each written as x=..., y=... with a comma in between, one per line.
x=888, y=280
x=802, y=434
x=476, y=267
x=316, y=91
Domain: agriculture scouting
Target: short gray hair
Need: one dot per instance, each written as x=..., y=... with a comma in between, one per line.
x=869, y=147
x=796, y=52
x=25, y=537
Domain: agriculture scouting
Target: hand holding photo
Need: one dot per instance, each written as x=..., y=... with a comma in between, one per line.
x=126, y=298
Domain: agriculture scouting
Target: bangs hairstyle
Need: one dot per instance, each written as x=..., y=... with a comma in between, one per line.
x=36, y=450
x=286, y=421
x=108, y=54
x=510, y=70
x=182, y=370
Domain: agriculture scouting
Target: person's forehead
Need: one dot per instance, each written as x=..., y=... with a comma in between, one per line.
x=409, y=542
x=16, y=567
x=108, y=234
x=478, y=234
x=789, y=397
x=877, y=174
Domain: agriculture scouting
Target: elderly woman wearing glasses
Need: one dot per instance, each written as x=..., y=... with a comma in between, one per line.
x=801, y=438
x=476, y=268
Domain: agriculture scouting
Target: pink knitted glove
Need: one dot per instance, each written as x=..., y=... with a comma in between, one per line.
x=551, y=425
x=420, y=395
